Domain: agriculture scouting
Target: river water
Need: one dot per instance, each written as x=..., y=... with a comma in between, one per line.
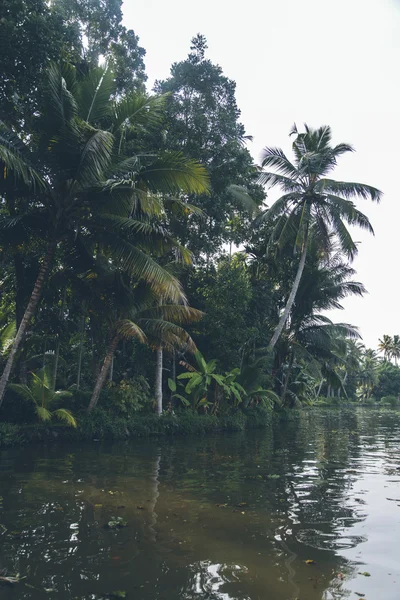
x=227, y=517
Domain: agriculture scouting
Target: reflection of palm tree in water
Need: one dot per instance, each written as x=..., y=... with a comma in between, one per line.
x=154, y=494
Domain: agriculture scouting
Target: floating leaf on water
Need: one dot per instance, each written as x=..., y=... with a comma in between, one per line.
x=11, y=580
x=117, y=594
x=98, y=505
x=273, y=476
x=221, y=505
x=310, y=561
x=365, y=573
x=116, y=523
x=241, y=504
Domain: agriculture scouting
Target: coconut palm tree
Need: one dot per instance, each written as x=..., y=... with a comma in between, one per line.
x=311, y=201
x=395, y=348
x=311, y=338
x=79, y=179
x=157, y=326
x=42, y=393
x=368, y=375
x=386, y=346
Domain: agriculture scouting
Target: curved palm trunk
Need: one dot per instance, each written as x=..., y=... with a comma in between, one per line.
x=26, y=319
x=158, y=385
x=103, y=373
x=291, y=299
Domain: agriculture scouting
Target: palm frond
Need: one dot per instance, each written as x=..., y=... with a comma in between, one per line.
x=128, y=329
x=43, y=413
x=172, y=172
x=16, y=159
x=66, y=416
x=275, y=157
x=176, y=313
x=95, y=158
x=167, y=334
x=94, y=93
x=62, y=105
x=348, y=189
x=243, y=198
x=22, y=390
x=349, y=212
x=138, y=264
x=139, y=110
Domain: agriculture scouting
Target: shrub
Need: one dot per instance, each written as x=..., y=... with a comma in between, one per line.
x=390, y=400
x=130, y=395
x=10, y=435
x=258, y=417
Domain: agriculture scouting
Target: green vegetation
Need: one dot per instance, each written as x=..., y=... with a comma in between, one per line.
x=143, y=272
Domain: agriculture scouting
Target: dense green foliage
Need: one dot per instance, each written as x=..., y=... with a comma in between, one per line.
x=141, y=267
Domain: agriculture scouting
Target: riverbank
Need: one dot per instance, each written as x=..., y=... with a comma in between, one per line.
x=103, y=425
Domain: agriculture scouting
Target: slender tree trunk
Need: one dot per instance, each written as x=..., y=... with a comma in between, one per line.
x=57, y=356
x=173, y=370
x=78, y=377
x=292, y=297
x=319, y=388
x=44, y=354
x=26, y=319
x=158, y=386
x=103, y=373
x=111, y=369
x=287, y=378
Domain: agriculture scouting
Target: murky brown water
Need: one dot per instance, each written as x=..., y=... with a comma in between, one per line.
x=230, y=517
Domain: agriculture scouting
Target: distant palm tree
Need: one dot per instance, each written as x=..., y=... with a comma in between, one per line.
x=386, y=346
x=369, y=374
x=395, y=349
x=312, y=201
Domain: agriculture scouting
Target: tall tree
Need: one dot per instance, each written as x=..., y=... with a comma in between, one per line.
x=312, y=201
x=386, y=346
x=203, y=123
x=34, y=32
x=82, y=181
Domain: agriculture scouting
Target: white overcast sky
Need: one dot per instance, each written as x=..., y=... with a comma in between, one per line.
x=334, y=62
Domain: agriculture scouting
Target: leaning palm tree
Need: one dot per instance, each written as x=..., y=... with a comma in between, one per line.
x=311, y=201
x=386, y=346
x=158, y=326
x=311, y=338
x=43, y=395
x=82, y=177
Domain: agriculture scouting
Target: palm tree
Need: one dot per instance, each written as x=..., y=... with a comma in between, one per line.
x=386, y=346
x=395, y=348
x=41, y=392
x=135, y=311
x=311, y=201
x=311, y=339
x=81, y=180
x=369, y=374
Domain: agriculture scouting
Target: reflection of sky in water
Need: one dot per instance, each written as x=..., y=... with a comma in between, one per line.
x=326, y=488
x=212, y=578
